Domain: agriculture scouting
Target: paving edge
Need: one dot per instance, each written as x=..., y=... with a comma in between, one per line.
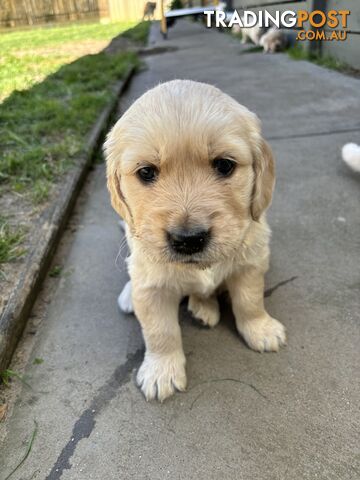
x=50, y=227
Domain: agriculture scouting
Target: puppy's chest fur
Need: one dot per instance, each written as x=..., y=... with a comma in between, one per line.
x=204, y=282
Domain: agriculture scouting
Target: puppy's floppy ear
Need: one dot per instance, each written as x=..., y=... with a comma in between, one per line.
x=264, y=179
x=118, y=201
x=117, y=198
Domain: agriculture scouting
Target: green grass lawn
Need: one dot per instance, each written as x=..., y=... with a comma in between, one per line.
x=44, y=128
x=51, y=105
x=45, y=36
x=29, y=56
x=299, y=53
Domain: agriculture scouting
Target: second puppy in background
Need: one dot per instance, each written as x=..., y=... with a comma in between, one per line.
x=273, y=41
x=277, y=40
x=252, y=34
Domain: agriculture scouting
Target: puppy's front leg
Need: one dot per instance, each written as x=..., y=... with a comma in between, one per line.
x=260, y=331
x=163, y=368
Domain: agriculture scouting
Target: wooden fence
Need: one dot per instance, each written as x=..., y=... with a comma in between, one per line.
x=14, y=13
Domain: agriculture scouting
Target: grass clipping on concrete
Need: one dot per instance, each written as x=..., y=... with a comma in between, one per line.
x=43, y=130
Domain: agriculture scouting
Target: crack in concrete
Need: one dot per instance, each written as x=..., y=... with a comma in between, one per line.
x=271, y=290
x=215, y=380
x=313, y=134
x=86, y=422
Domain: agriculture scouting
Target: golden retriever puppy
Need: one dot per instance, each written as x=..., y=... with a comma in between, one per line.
x=252, y=34
x=274, y=40
x=190, y=173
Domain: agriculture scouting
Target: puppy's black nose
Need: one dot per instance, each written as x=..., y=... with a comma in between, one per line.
x=188, y=241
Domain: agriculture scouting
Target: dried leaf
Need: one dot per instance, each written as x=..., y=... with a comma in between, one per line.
x=3, y=409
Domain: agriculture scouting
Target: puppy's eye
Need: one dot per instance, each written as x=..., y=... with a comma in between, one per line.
x=223, y=166
x=147, y=174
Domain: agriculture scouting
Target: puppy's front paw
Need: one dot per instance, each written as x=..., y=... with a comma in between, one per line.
x=125, y=300
x=263, y=334
x=160, y=375
x=205, y=309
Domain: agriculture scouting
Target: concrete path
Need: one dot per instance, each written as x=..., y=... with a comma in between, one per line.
x=247, y=416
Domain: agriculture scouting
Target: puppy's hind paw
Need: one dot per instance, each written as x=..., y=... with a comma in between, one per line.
x=205, y=309
x=125, y=300
x=161, y=375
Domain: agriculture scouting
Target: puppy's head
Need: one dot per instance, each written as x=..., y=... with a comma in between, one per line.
x=188, y=170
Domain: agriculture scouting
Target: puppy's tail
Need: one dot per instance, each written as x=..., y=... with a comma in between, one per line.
x=351, y=156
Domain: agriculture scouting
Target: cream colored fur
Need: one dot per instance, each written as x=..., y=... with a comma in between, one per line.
x=274, y=40
x=351, y=156
x=252, y=34
x=180, y=127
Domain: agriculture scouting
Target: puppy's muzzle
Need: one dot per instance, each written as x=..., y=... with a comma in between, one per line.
x=188, y=241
